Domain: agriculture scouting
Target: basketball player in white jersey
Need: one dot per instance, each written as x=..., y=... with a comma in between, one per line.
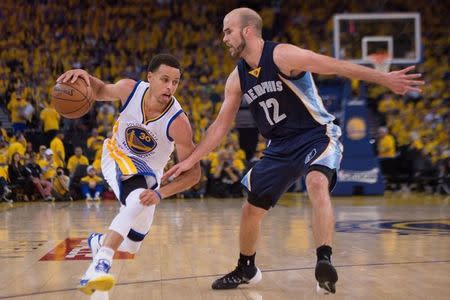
x=150, y=122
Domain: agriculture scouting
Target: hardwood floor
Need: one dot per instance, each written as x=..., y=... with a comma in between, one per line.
x=391, y=247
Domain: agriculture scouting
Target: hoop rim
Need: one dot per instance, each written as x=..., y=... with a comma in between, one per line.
x=381, y=61
x=379, y=57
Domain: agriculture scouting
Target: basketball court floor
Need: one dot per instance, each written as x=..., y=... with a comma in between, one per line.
x=391, y=247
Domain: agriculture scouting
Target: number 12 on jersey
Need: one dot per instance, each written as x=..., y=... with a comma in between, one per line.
x=276, y=117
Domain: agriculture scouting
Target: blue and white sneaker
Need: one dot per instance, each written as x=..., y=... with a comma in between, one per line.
x=97, y=278
x=95, y=241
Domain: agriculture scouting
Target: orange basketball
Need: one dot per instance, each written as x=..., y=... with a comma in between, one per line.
x=72, y=100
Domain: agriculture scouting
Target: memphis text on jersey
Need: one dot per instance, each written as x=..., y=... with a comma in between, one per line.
x=261, y=89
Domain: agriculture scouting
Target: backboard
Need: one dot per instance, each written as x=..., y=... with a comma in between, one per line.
x=357, y=36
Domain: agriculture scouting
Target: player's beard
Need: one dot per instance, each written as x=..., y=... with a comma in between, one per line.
x=239, y=48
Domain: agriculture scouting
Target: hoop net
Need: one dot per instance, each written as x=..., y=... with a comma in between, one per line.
x=381, y=61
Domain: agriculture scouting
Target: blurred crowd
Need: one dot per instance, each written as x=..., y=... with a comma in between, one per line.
x=41, y=39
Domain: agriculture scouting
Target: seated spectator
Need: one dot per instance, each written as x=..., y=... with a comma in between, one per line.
x=18, y=175
x=91, y=185
x=61, y=184
x=5, y=192
x=48, y=165
x=44, y=187
x=77, y=159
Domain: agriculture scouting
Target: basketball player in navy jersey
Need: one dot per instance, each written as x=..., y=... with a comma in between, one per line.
x=276, y=81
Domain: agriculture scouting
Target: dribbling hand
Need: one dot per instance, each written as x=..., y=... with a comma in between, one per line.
x=72, y=76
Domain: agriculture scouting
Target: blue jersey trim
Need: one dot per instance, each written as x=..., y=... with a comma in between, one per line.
x=119, y=183
x=170, y=122
x=130, y=96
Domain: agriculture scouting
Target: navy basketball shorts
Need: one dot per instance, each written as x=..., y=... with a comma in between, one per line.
x=286, y=160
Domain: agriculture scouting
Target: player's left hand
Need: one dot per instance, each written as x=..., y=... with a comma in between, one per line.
x=401, y=83
x=149, y=197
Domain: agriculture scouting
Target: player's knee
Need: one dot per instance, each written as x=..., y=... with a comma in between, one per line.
x=317, y=181
x=251, y=211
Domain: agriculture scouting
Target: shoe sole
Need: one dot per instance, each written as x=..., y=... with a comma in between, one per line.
x=257, y=278
x=102, y=283
x=323, y=291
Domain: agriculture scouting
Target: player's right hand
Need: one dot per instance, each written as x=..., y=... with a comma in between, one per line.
x=72, y=76
x=176, y=170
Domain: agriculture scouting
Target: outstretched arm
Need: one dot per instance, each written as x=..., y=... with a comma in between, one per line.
x=217, y=130
x=101, y=91
x=292, y=60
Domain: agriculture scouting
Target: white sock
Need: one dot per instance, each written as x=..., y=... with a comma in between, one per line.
x=105, y=253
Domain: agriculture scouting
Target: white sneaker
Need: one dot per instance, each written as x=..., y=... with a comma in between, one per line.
x=88, y=197
x=97, y=278
x=49, y=198
x=95, y=241
x=97, y=196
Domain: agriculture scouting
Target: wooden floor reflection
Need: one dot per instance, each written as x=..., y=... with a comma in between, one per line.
x=391, y=247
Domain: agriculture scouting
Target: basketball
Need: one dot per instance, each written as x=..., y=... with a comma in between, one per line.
x=72, y=100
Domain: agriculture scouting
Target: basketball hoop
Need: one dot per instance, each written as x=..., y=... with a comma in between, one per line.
x=381, y=61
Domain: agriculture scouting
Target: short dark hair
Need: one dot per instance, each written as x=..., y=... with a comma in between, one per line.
x=163, y=59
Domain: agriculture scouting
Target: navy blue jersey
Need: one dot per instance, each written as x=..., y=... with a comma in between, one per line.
x=282, y=106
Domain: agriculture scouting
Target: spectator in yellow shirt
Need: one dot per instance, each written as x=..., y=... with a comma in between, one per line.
x=16, y=107
x=91, y=185
x=94, y=143
x=17, y=146
x=48, y=165
x=386, y=144
x=57, y=147
x=61, y=184
x=41, y=153
x=77, y=159
x=50, y=123
x=5, y=191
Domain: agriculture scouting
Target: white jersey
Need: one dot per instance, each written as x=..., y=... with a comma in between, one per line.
x=139, y=145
